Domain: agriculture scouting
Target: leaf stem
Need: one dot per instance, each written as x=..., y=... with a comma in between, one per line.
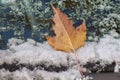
x=78, y=64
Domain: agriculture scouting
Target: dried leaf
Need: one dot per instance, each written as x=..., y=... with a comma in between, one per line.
x=67, y=36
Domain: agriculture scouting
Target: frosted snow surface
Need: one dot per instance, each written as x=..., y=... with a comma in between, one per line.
x=31, y=52
x=26, y=74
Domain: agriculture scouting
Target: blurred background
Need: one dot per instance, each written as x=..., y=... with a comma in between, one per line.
x=25, y=19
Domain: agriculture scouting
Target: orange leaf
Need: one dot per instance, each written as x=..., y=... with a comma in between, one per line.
x=67, y=36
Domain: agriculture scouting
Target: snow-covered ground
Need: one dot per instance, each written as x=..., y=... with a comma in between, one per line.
x=32, y=53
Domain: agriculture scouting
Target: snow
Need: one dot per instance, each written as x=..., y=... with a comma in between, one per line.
x=109, y=50
x=25, y=74
x=117, y=67
x=7, y=1
x=31, y=52
x=102, y=7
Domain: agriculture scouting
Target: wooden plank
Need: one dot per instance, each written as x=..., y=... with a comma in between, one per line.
x=105, y=76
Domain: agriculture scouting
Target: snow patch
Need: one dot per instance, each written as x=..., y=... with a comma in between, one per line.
x=107, y=49
x=31, y=52
x=25, y=74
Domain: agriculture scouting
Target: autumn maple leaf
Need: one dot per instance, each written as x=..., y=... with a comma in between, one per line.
x=67, y=36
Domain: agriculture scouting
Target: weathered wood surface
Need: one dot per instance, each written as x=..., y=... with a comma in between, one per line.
x=105, y=76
